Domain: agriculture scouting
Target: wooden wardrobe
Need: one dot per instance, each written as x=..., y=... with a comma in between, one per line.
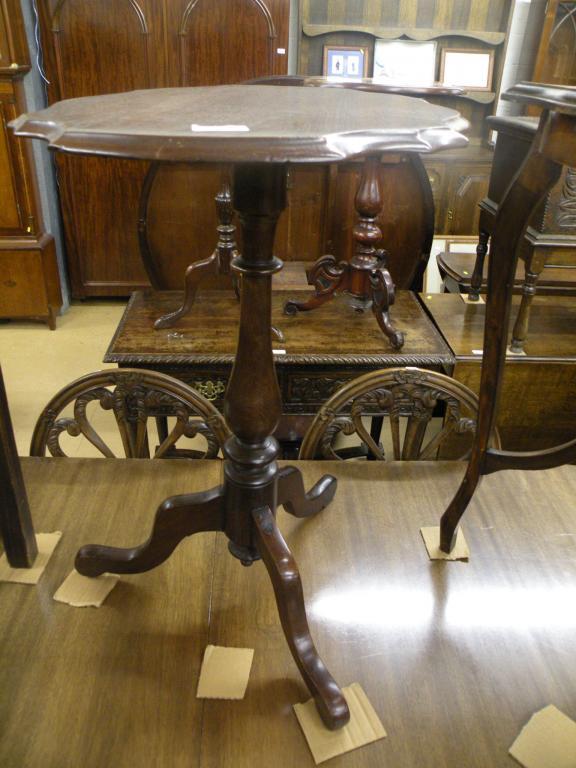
x=103, y=46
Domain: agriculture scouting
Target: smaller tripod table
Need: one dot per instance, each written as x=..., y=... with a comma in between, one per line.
x=259, y=130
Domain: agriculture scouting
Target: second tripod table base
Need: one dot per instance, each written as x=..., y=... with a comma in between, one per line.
x=331, y=278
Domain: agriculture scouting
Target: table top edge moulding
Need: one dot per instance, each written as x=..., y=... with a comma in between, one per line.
x=241, y=123
x=371, y=84
x=122, y=352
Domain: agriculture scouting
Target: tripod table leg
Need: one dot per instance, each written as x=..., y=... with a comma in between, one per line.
x=293, y=497
x=176, y=518
x=285, y=578
x=194, y=275
x=383, y=296
x=327, y=277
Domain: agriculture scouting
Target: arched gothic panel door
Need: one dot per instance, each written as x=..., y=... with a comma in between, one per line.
x=101, y=46
x=227, y=41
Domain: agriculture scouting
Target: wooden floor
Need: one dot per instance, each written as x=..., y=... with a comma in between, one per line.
x=455, y=657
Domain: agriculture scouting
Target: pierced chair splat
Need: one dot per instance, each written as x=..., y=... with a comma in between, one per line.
x=408, y=395
x=133, y=396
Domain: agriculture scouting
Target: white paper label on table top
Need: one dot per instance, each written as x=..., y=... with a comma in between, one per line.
x=197, y=128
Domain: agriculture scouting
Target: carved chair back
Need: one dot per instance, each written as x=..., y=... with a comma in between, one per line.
x=132, y=396
x=409, y=398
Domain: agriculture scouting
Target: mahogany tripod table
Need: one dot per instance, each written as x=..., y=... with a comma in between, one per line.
x=258, y=130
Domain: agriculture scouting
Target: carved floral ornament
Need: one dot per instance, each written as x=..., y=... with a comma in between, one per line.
x=566, y=213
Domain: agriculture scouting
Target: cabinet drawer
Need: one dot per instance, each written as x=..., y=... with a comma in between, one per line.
x=22, y=288
x=29, y=282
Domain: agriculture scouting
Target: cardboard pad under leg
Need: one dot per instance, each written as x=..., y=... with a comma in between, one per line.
x=80, y=591
x=548, y=740
x=47, y=543
x=364, y=726
x=224, y=673
x=431, y=536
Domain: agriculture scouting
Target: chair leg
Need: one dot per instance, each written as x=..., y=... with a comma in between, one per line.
x=285, y=578
x=534, y=267
x=476, y=279
x=176, y=518
x=293, y=497
x=194, y=275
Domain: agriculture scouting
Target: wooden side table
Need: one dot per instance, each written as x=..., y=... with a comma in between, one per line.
x=535, y=408
x=259, y=130
x=553, y=147
x=314, y=359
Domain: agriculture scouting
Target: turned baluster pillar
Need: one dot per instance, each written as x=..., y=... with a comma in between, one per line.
x=226, y=245
x=366, y=233
x=252, y=404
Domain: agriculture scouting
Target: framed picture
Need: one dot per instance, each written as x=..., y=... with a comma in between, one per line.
x=467, y=67
x=346, y=61
x=405, y=62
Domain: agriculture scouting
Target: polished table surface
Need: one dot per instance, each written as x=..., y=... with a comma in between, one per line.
x=552, y=330
x=245, y=124
x=455, y=657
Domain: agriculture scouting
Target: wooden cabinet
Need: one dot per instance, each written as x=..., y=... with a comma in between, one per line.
x=29, y=283
x=103, y=46
x=466, y=186
x=459, y=181
x=536, y=408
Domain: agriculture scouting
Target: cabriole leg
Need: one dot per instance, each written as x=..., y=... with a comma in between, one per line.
x=285, y=578
x=176, y=518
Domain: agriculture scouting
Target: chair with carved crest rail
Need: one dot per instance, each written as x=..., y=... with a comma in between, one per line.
x=553, y=147
x=133, y=396
x=409, y=397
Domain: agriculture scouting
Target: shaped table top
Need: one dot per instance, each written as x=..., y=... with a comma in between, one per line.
x=245, y=123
